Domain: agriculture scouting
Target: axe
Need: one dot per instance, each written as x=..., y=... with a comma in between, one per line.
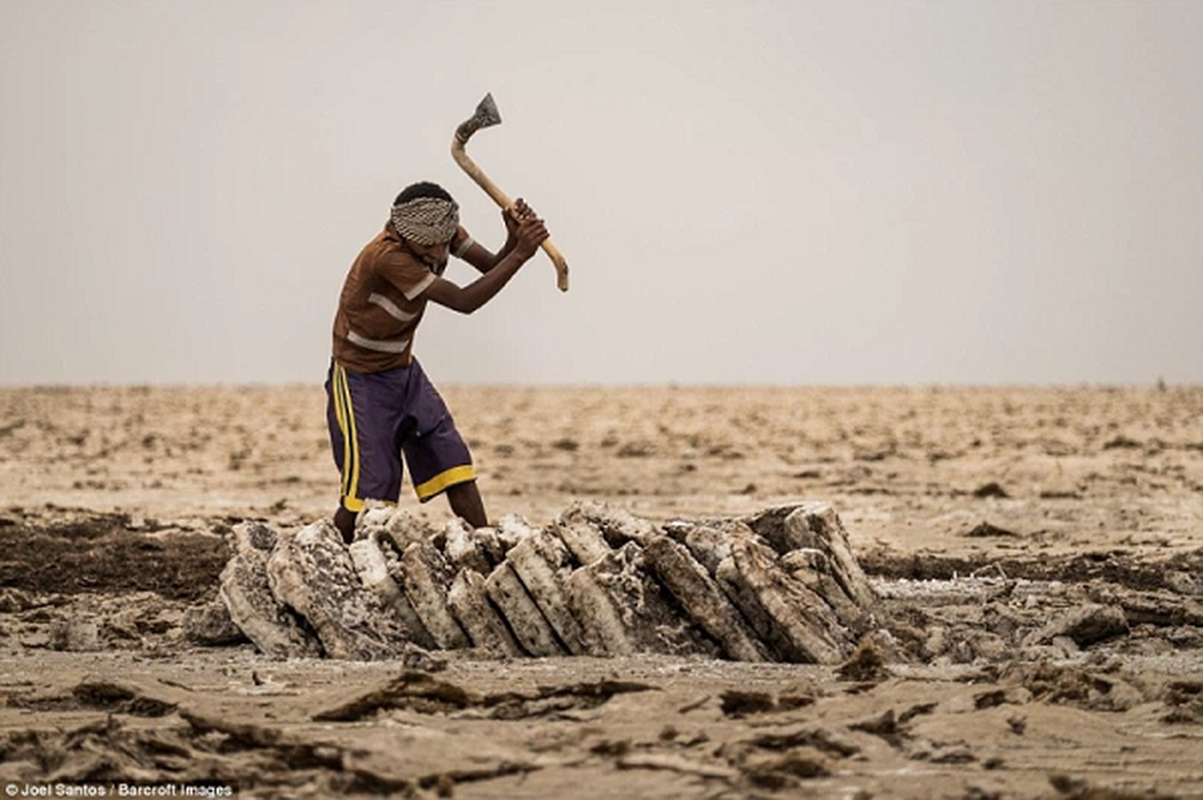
x=486, y=114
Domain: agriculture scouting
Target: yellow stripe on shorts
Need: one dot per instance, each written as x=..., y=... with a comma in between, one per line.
x=340, y=415
x=444, y=479
x=352, y=492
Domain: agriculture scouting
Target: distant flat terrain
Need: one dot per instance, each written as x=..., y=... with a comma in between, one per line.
x=980, y=514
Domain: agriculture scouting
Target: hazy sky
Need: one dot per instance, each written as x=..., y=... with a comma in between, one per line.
x=784, y=192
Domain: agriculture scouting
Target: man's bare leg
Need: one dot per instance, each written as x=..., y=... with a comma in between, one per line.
x=466, y=503
x=344, y=520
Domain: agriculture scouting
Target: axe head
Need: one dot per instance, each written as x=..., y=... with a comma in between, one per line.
x=486, y=115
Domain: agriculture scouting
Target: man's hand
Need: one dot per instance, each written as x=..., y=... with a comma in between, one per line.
x=513, y=217
x=529, y=235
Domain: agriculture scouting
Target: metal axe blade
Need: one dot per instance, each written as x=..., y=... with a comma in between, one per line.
x=487, y=115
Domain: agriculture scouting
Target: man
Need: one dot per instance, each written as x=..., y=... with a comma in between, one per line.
x=379, y=402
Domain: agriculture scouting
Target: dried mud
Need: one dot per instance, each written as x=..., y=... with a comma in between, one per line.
x=1036, y=556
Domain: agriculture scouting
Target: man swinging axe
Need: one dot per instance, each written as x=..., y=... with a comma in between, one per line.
x=381, y=406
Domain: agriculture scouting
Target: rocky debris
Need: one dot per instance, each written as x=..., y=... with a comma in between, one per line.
x=14, y=601
x=490, y=542
x=274, y=628
x=1150, y=608
x=984, y=530
x=1085, y=625
x=739, y=703
x=426, y=694
x=78, y=635
x=867, y=664
x=399, y=692
x=1184, y=582
x=779, y=585
x=120, y=697
x=386, y=525
x=210, y=624
x=1066, y=684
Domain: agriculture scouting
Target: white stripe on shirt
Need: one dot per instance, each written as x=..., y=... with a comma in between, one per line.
x=463, y=247
x=379, y=345
x=419, y=287
x=390, y=307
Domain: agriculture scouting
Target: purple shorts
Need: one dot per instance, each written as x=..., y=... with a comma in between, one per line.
x=374, y=417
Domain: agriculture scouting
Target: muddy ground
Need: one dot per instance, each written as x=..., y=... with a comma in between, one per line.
x=1037, y=553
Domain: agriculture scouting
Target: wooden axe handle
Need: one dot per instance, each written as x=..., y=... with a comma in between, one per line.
x=503, y=200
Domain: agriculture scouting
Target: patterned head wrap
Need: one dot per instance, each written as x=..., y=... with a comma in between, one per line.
x=426, y=220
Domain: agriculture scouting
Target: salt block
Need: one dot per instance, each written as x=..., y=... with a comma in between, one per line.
x=490, y=542
x=710, y=542
x=245, y=590
x=538, y=562
x=769, y=524
x=371, y=563
x=464, y=549
x=210, y=624
x=531, y=629
x=820, y=521
x=815, y=526
x=617, y=525
x=373, y=519
x=402, y=529
x=793, y=620
x=805, y=561
x=778, y=585
x=513, y=530
x=425, y=579
x=814, y=569
x=582, y=537
x=593, y=607
x=701, y=598
x=469, y=602
x=254, y=537
x=312, y=572
x=643, y=607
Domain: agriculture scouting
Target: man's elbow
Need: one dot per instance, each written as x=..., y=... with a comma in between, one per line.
x=457, y=300
x=465, y=304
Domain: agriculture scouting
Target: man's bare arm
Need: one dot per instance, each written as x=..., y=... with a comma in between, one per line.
x=479, y=256
x=465, y=299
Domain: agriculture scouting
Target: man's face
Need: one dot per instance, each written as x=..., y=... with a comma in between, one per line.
x=433, y=256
